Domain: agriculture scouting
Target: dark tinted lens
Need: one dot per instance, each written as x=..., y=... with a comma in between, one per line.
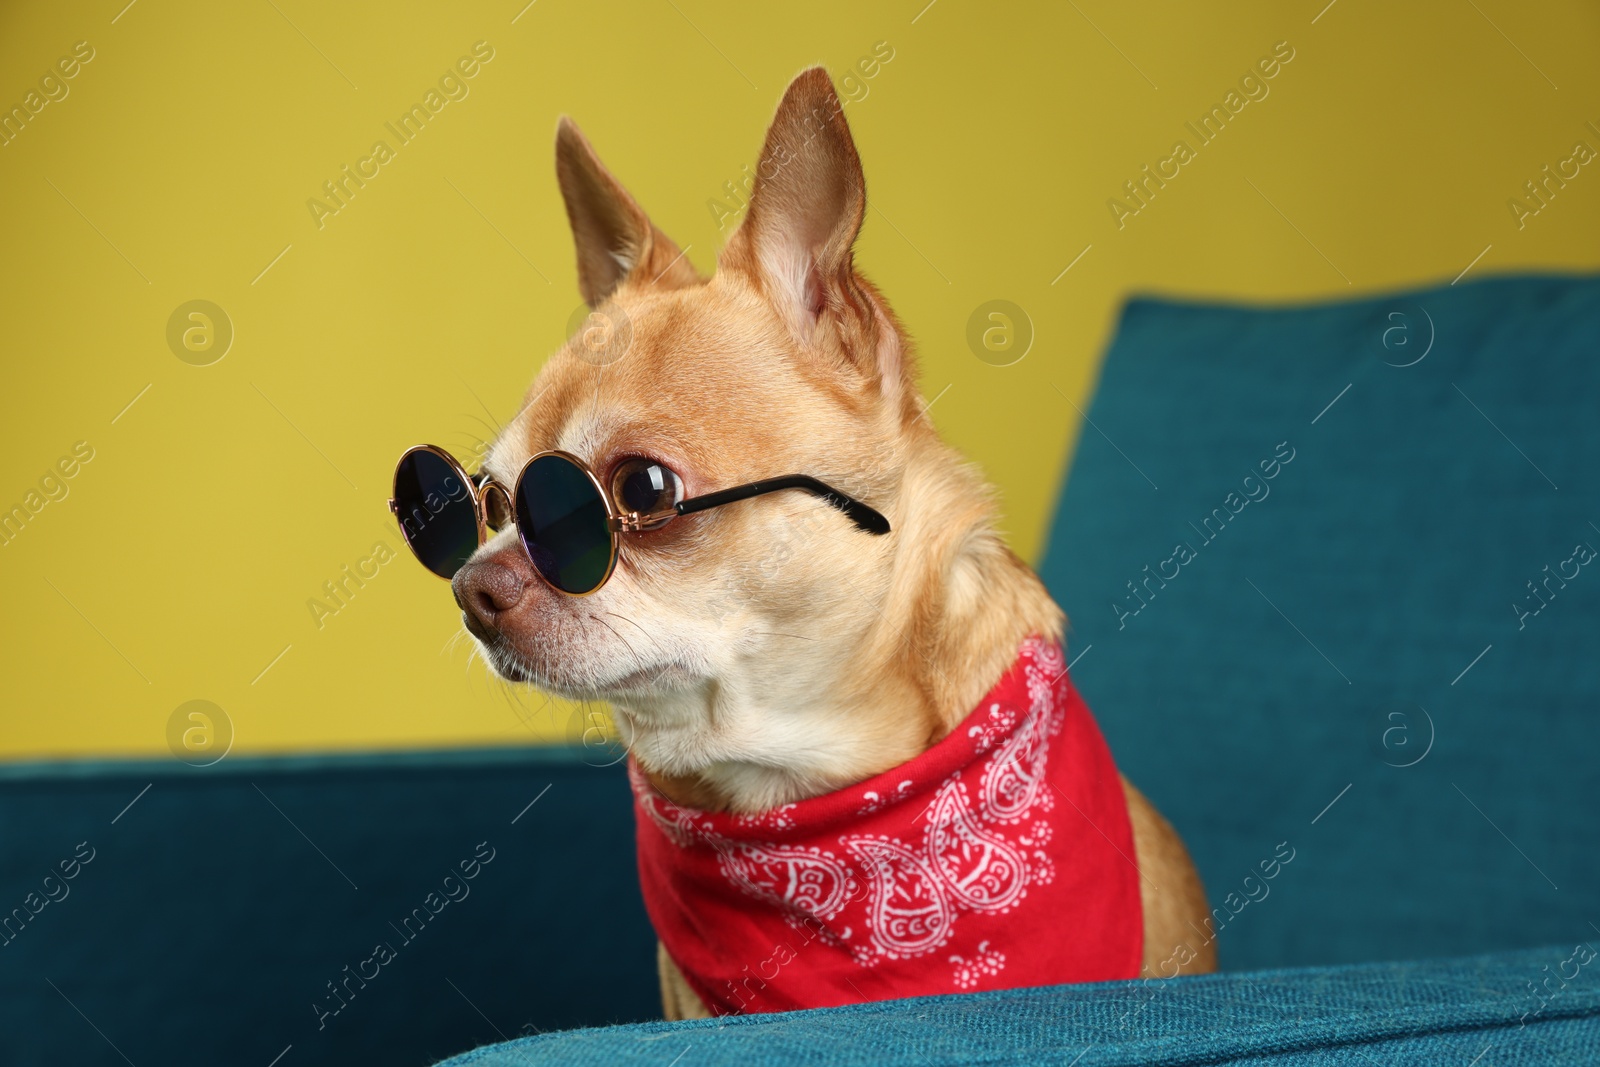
x=434, y=507
x=562, y=519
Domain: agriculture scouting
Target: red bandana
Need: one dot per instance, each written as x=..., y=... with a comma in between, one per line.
x=1001, y=857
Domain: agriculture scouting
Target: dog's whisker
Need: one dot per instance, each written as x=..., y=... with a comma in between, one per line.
x=491, y=427
x=631, y=650
x=636, y=626
x=508, y=693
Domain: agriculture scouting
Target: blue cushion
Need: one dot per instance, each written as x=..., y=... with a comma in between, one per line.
x=217, y=907
x=1446, y=1012
x=1370, y=608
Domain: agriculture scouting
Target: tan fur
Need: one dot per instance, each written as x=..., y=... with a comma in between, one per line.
x=768, y=651
x=1174, y=901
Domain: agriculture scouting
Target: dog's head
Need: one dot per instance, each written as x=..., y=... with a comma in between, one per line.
x=723, y=636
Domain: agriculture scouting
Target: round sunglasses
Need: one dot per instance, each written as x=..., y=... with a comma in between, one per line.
x=569, y=523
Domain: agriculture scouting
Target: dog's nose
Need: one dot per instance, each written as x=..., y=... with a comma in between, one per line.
x=485, y=589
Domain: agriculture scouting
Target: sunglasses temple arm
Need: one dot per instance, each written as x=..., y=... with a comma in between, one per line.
x=864, y=517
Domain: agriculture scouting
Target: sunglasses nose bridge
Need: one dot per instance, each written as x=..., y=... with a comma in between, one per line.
x=492, y=518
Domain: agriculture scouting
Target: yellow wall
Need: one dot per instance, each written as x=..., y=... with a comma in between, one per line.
x=180, y=163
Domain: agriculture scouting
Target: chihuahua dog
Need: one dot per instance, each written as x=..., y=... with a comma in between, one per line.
x=750, y=695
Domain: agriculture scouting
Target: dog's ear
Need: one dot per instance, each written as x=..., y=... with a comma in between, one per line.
x=806, y=208
x=806, y=204
x=616, y=240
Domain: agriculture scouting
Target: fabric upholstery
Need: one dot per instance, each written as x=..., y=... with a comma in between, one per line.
x=1443, y=1012
x=206, y=926
x=1310, y=643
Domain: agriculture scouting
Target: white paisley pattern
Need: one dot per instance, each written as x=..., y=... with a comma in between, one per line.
x=873, y=800
x=910, y=911
x=972, y=855
x=986, y=962
x=675, y=821
x=807, y=880
x=802, y=881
